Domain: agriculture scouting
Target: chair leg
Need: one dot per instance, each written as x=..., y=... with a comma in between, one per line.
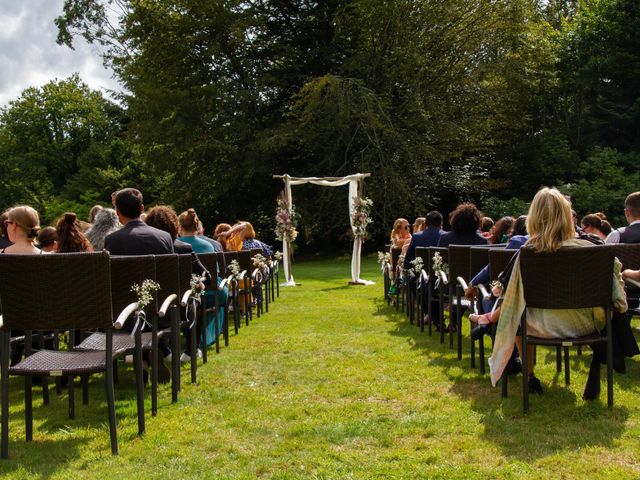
x=525, y=369
x=609, y=362
x=72, y=397
x=226, y=326
x=154, y=367
x=472, y=351
x=111, y=404
x=481, y=355
x=216, y=325
x=137, y=363
x=558, y=360
x=175, y=355
x=567, y=378
x=45, y=390
x=193, y=348
x=202, y=341
x=5, y=347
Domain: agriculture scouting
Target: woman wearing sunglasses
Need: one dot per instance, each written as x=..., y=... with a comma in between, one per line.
x=22, y=225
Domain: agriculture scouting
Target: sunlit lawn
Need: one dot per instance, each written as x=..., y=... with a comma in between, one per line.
x=332, y=383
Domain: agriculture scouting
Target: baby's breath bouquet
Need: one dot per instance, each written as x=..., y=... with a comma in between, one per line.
x=439, y=265
x=260, y=262
x=418, y=265
x=144, y=294
x=194, y=283
x=384, y=259
x=234, y=268
x=277, y=256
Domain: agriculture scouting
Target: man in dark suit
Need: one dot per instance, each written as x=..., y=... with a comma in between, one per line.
x=136, y=237
x=428, y=237
x=631, y=233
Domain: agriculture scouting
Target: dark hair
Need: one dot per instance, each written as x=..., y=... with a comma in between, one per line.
x=164, y=218
x=465, y=219
x=189, y=220
x=500, y=229
x=485, y=224
x=47, y=237
x=129, y=202
x=3, y=229
x=632, y=203
x=433, y=219
x=519, y=226
x=596, y=221
x=70, y=236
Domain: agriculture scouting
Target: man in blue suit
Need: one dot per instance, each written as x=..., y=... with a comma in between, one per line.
x=428, y=237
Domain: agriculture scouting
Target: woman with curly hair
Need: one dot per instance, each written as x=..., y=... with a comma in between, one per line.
x=70, y=236
x=500, y=231
x=465, y=222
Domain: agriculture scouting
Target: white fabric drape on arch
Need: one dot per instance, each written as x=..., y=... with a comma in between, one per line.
x=352, y=180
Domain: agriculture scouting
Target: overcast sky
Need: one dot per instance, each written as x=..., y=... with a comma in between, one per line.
x=29, y=55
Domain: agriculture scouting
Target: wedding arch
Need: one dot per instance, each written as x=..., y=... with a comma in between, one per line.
x=358, y=221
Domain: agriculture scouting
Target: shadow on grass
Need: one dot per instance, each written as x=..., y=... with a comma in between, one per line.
x=558, y=421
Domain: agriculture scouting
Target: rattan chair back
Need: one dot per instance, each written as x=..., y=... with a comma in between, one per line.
x=228, y=258
x=244, y=259
x=56, y=292
x=628, y=254
x=395, y=256
x=499, y=258
x=459, y=261
x=569, y=278
x=127, y=270
x=478, y=259
x=423, y=253
x=185, y=271
x=167, y=275
x=210, y=262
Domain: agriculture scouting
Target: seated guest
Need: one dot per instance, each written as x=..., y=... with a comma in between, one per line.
x=93, y=212
x=4, y=238
x=164, y=218
x=419, y=225
x=550, y=226
x=500, y=231
x=465, y=221
x=70, y=236
x=217, y=246
x=230, y=244
x=595, y=225
x=135, y=237
x=48, y=240
x=189, y=223
x=631, y=233
x=486, y=224
x=106, y=222
x=22, y=225
x=428, y=237
x=247, y=235
x=519, y=227
x=400, y=235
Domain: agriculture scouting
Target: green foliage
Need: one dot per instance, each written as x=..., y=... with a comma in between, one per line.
x=608, y=176
x=497, y=208
x=62, y=146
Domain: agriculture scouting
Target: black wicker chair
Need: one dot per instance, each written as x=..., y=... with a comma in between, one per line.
x=55, y=292
x=246, y=267
x=567, y=279
x=440, y=293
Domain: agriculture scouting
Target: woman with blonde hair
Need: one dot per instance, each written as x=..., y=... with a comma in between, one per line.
x=400, y=234
x=550, y=227
x=23, y=225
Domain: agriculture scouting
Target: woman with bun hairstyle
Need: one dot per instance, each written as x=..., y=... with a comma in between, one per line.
x=70, y=236
x=23, y=225
x=48, y=240
x=189, y=223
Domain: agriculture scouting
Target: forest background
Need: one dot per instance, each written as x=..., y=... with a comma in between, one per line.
x=442, y=101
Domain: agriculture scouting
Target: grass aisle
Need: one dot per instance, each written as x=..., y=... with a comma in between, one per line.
x=331, y=383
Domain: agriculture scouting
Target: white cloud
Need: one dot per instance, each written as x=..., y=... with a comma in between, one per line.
x=30, y=56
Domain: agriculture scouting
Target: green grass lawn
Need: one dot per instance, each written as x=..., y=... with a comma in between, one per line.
x=332, y=383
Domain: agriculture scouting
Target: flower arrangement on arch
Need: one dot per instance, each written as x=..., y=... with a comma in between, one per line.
x=361, y=216
x=286, y=220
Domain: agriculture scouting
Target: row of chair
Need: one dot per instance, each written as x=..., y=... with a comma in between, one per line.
x=44, y=296
x=570, y=278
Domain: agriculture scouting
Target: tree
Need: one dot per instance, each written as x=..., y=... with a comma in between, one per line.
x=62, y=147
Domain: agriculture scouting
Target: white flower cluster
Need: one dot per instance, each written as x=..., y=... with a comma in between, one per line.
x=439, y=265
x=418, y=265
x=145, y=292
x=277, y=256
x=384, y=259
x=194, y=283
x=260, y=262
x=234, y=268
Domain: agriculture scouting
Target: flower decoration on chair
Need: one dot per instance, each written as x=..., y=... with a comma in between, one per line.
x=144, y=294
x=384, y=259
x=277, y=256
x=361, y=216
x=286, y=221
x=439, y=265
x=234, y=268
x=194, y=283
x=418, y=265
x=260, y=263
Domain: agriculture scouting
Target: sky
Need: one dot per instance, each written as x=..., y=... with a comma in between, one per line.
x=30, y=56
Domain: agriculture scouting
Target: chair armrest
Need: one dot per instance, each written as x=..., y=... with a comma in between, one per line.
x=424, y=275
x=185, y=298
x=254, y=274
x=223, y=283
x=165, y=305
x=124, y=315
x=1, y=321
x=483, y=290
x=462, y=283
x=443, y=277
x=242, y=274
x=633, y=283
